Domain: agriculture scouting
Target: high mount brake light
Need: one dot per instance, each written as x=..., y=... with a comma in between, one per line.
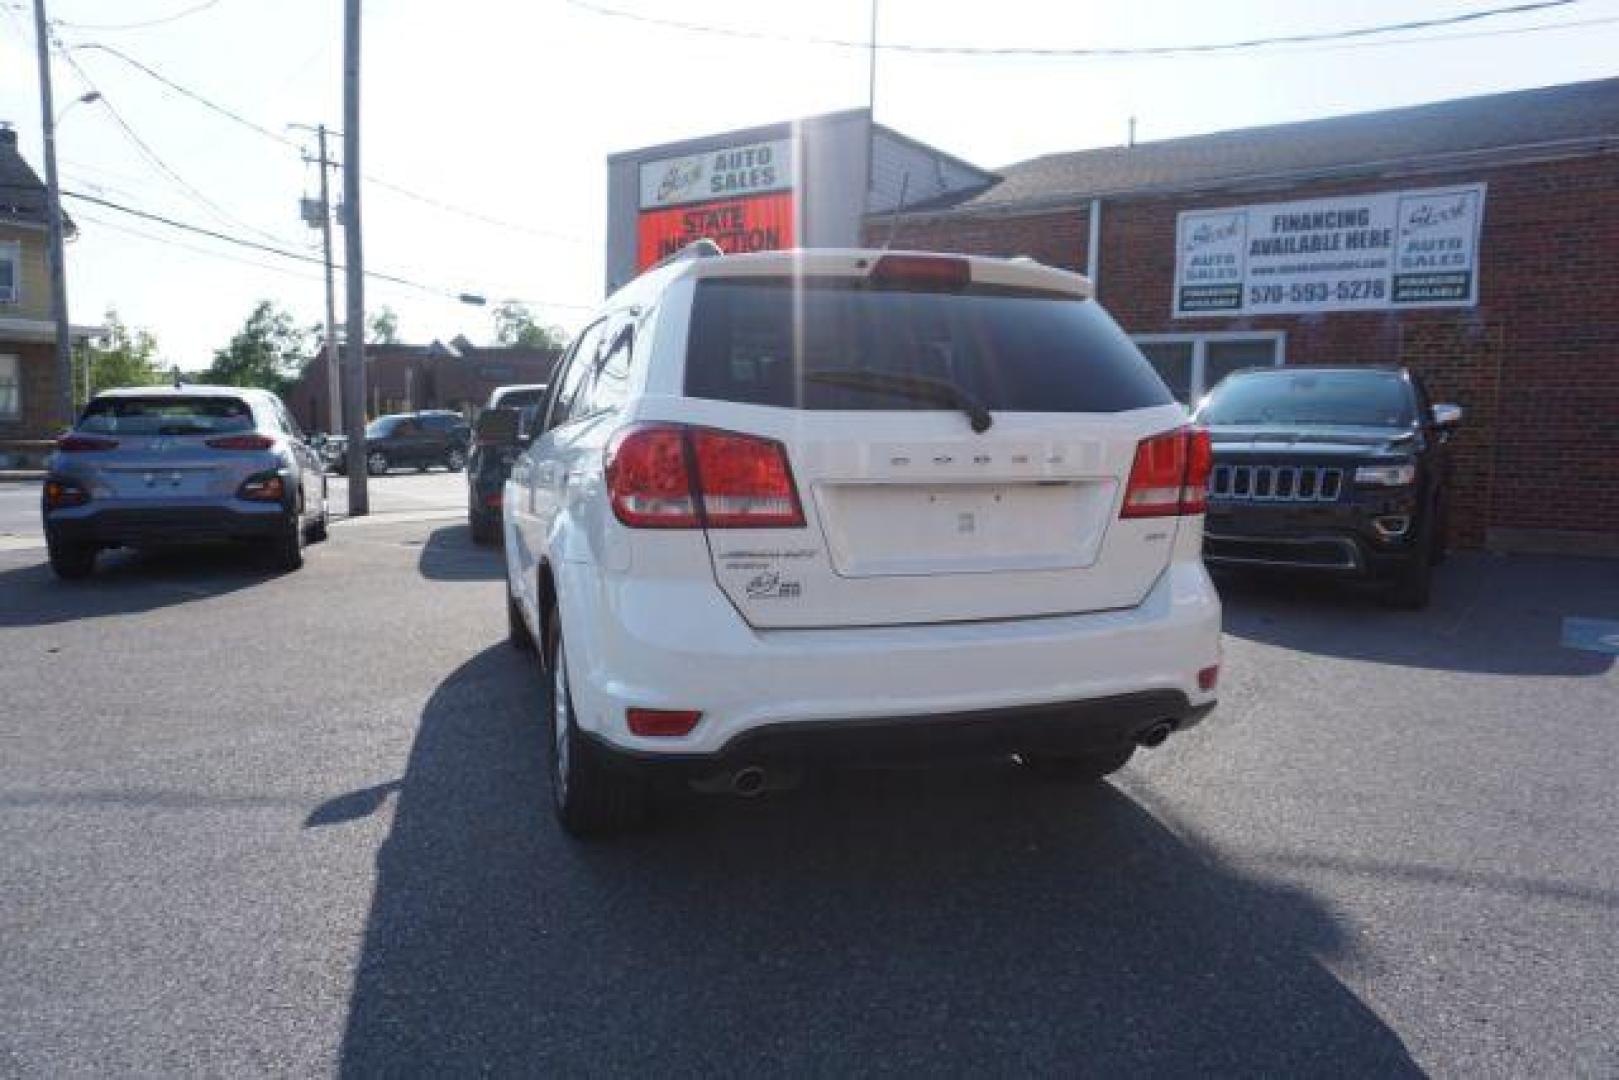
x=84, y=444
x=242, y=442
x=925, y=273
x=670, y=476
x=1170, y=475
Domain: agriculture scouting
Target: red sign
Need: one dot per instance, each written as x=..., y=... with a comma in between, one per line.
x=757, y=223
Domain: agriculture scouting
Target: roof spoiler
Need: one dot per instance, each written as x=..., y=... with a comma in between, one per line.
x=697, y=249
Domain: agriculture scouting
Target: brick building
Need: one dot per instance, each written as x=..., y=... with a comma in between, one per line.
x=443, y=375
x=1473, y=240
x=1528, y=345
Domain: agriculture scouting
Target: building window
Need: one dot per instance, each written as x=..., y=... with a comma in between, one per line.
x=1193, y=364
x=10, y=388
x=10, y=272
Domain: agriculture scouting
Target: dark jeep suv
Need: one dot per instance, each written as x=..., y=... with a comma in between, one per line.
x=1339, y=470
x=417, y=440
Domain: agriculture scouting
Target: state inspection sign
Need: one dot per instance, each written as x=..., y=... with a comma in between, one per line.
x=1388, y=250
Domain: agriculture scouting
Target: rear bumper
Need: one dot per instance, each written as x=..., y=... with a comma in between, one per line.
x=1055, y=729
x=1081, y=680
x=165, y=524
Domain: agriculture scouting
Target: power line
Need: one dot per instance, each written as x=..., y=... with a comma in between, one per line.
x=1093, y=52
x=161, y=21
x=282, y=252
x=154, y=159
x=260, y=129
x=170, y=242
x=192, y=94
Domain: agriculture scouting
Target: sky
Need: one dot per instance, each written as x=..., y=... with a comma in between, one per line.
x=507, y=110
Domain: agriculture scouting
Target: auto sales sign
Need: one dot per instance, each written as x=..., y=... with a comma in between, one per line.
x=1388, y=250
x=741, y=197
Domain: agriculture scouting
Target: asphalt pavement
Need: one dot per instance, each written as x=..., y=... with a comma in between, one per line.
x=297, y=824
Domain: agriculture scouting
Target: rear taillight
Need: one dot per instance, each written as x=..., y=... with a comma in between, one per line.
x=242, y=442
x=668, y=476
x=64, y=493
x=662, y=723
x=648, y=480
x=265, y=487
x=84, y=444
x=1170, y=475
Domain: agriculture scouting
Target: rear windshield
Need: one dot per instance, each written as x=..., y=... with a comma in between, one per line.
x=166, y=414
x=1337, y=398
x=753, y=341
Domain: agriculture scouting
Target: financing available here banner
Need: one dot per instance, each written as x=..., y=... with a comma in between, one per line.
x=1387, y=250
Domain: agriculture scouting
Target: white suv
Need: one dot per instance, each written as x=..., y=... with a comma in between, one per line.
x=821, y=506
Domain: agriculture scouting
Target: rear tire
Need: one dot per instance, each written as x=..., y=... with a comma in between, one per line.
x=589, y=799
x=287, y=548
x=70, y=561
x=1078, y=768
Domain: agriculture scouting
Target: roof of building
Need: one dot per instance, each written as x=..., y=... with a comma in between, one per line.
x=1550, y=119
x=22, y=193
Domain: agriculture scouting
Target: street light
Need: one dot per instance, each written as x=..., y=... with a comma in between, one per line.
x=83, y=99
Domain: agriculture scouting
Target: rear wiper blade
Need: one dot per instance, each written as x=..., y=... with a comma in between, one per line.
x=919, y=387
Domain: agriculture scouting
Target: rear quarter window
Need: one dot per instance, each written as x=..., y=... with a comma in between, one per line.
x=752, y=340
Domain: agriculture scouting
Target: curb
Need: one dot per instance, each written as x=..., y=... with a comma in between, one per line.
x=22, y=474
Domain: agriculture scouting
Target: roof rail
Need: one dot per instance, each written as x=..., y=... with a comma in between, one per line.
x=703, y=248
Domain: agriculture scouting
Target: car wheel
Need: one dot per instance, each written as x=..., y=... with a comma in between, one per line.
x=589, y=799
x=376, y=463
x=70, y=561
x=1078, y=768
x=456, y=459
x=287, y=548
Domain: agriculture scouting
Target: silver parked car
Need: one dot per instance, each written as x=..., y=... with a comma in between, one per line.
x=157, y=465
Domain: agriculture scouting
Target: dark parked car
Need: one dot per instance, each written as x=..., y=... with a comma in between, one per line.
x=1336, y=470
x=493, y=451
x=417, y=440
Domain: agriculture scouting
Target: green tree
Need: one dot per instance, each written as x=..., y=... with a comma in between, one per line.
x=268, y=351
x=515, y=324
x=383, y=327
x=119, y=356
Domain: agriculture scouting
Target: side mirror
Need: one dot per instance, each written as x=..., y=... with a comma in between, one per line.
x=1446, y=417
x=496, y=427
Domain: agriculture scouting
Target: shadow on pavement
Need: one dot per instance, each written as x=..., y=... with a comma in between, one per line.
x=965, y=920
x=128, y=582
x=1489, y=614
x=449, y=554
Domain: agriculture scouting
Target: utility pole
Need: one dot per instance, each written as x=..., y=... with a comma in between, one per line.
x=354, y=264
x=334, y=390
x=871, y=107
x=53, y=198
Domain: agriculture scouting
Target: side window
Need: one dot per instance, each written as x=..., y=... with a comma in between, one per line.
x=573, y=383
x=610, y=388
x=405, y=429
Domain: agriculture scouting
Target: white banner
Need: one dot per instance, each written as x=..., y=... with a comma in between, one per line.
x=750, y=169
x=1392, y=249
